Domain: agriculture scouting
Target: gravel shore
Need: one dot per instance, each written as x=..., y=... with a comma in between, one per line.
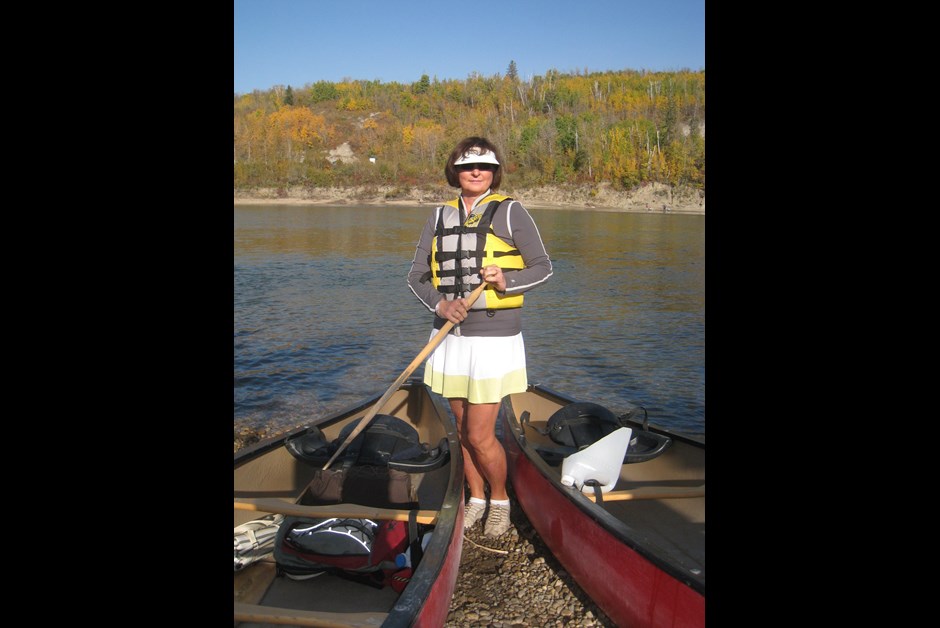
x=514, y=580
x=510, y=581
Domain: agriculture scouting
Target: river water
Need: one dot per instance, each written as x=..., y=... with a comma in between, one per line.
x=324, y=318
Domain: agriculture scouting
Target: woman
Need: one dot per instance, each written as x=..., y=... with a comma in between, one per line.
x=479, y=236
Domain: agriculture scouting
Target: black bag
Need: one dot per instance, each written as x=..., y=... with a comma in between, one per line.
x=358, y=549
x=305, y=547
x=369, y=485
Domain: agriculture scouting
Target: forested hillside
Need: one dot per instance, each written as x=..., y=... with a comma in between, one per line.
x=625, y=128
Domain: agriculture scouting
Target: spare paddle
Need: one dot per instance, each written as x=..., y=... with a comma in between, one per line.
x=436, y=340
x=651, y=492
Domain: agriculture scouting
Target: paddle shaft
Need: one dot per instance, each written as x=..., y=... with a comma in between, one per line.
x=431, y=346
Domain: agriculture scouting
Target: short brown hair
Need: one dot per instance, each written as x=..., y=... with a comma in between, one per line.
x=463, y=146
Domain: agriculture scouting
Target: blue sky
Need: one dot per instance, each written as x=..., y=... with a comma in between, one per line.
x=300, y=42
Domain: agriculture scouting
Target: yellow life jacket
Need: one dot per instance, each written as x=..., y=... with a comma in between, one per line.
x=472, y=242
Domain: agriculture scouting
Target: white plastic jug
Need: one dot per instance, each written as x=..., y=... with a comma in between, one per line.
x=601, y=461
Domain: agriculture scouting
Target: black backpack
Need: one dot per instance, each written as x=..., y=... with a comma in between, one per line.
x=361, y=550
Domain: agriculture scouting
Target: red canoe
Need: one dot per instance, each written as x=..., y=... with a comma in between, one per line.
x=274, y=477
x=640, y=552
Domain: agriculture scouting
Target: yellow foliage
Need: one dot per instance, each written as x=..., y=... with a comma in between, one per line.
x=427, y=139
x=298, y=124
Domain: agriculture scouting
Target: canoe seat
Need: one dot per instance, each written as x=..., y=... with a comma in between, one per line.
x=386, y=441
x=644, y=445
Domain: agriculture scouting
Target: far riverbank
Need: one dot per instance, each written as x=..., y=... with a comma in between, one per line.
x=648, y=198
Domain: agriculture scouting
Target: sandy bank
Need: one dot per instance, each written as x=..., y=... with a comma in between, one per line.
x=649, y=198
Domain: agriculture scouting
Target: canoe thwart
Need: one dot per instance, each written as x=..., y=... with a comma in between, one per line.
x=297, y=617
x=652, y=492
x=354, y=511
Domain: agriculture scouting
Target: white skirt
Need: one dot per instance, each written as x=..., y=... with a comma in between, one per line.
x=480, y=369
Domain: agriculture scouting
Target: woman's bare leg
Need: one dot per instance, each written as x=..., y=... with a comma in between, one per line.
x=484, y=456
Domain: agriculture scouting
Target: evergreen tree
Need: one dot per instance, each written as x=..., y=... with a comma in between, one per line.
x=422, y=86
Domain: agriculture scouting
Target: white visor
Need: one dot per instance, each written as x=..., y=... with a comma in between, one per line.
x=477, y=155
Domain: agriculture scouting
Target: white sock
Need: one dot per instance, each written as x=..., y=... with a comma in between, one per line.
x=498, y=502
x=477, y=500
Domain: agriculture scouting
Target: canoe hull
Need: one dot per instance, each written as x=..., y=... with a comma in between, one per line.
x=266, y=473
x=610, y=567
x=433, y=612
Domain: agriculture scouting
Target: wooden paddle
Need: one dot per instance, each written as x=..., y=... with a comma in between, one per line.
x=438, y=338
x=652, y=492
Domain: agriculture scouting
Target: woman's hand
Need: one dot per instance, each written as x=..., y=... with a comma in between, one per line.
x=455, y=311
x=493, y=274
